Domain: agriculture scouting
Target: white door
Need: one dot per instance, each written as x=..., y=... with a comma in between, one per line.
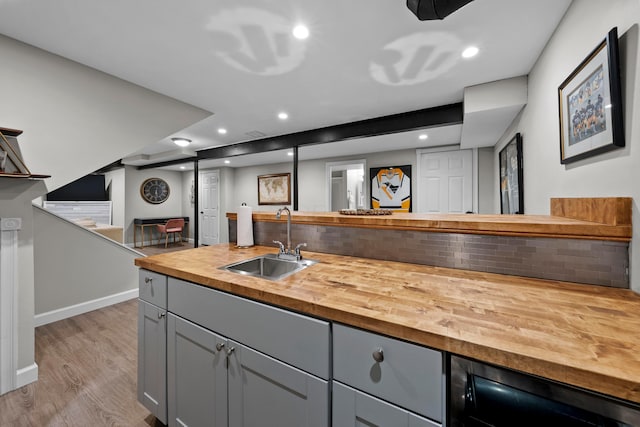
x=208, y=202
x=445, y=182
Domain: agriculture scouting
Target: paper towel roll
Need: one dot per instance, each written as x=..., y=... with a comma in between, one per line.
x=245, y=226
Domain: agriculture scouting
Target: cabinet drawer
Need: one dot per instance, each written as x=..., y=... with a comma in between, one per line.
x=408, y=375
x=352, y=407
x=298, y=340
x=153, y=287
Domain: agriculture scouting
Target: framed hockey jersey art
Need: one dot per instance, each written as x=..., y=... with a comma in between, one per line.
x=391, y=188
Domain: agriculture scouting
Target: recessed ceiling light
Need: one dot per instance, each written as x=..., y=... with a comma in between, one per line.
x=283, y=116
x=300, y=32
x=290, y=153
x=183, y=167
x=222, y=131
x=181, y=142
x=226, y=162
x=470, y=52
x=423, y=136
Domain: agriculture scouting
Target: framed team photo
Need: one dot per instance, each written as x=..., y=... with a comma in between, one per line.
x=590, y=103
x=391, y=188
x=511, y=177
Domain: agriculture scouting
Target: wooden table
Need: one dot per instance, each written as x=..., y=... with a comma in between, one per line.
x=143, y=223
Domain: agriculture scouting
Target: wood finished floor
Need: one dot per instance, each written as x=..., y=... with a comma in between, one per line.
x=87, y=374
x=160, y=249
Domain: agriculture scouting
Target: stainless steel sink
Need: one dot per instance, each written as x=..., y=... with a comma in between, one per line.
x=268, y=267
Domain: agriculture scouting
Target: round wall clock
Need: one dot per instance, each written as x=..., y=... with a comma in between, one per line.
x=154, y=190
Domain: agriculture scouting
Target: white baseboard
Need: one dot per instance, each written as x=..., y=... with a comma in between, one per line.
x=84, y=307
x=145, y=243
x=26, y=375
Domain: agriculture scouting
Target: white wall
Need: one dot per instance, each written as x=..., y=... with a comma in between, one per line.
x=15, y=202
x=73, y=266
x=245, y=185
x=313, y=179
x=312, y=185
x=137, y=207
x=616, y=173
x=486, y=190
x=75, y=121
x=179, y=202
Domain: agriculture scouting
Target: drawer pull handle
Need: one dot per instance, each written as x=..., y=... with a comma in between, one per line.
x=219, y=346
x=148, y=279
x=378, y=355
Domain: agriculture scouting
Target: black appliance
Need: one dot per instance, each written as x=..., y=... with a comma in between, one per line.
x=434, y=9
x=482, y=395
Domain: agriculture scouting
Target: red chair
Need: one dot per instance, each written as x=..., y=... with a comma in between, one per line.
x=172, y=226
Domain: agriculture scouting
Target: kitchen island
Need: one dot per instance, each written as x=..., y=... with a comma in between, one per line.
x=400, y=315
x=586, y=336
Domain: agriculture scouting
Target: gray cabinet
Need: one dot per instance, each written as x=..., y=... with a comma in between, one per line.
x=354, y=408
x=196, y=375
x=296, y=339
x=404, y=374
x=152, y=343
x=266, y=392
x=235, y=362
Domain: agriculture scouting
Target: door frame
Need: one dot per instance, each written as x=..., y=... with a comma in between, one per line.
x=474, y=171
x=343, y=165
x=200, y=173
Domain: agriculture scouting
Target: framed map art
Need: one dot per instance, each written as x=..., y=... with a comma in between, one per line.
x=274, y=189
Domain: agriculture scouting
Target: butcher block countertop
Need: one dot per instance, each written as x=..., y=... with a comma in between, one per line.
x=499, y=225
x=584, y=335
x=595, y=218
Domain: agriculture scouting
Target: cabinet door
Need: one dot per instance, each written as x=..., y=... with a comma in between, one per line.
x=197, y=376
x=152, y=359
x=266, y=392
x=354, y=408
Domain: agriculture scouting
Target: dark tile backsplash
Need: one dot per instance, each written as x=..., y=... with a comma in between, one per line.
x=575, y=260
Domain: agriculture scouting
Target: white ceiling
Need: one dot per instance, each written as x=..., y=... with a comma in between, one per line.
x=237, y=59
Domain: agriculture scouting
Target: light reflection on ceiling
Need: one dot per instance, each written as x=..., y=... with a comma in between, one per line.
x=416, y=58
x=255, y=41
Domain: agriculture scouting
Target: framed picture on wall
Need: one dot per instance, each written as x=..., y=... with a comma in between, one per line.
x=511, y=172
x=590, y=102
x=391, y=188
x=274, y=189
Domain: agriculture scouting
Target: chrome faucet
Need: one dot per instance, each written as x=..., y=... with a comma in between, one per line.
x=278, y=214
x=287, y=253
